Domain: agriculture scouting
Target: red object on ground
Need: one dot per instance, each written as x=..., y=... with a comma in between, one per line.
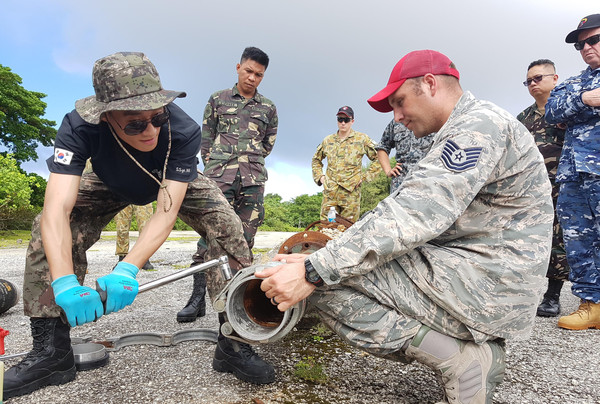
x=3, y=333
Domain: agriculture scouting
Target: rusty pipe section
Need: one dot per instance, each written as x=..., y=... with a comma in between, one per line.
x=249, y=315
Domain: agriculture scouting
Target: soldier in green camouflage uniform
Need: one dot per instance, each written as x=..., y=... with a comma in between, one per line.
x=238, y=132
x=344, y=151
x=123, y=224
x=143, y=148
x=541, y=79
x=446, y=268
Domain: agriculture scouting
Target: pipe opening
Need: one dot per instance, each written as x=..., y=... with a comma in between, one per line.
x=258, y=307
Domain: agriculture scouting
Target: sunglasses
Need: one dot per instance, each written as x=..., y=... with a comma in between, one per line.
x=136, y=127
x=537, y=79
x=343, y=119
x=593, y=40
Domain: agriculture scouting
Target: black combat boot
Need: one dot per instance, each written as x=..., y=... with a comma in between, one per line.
x=196, y=305
x=50, y=362
x=550, y=305
x=240, y=359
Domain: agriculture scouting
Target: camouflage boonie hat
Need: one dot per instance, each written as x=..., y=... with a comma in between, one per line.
x=124, y=81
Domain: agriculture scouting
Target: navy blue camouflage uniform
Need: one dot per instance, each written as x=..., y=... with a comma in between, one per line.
x=578, y=173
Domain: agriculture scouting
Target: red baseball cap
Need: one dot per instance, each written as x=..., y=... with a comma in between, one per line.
x=414, y=64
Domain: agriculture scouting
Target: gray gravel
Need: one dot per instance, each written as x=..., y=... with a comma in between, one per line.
x=553, y=366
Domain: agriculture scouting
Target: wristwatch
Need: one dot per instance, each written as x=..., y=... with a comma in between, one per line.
x=312, y=276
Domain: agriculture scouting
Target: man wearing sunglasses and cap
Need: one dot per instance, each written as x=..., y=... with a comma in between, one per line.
x=449, y=266
x=344, y=151
x=143, y=148
x=576, y=103
x=541, y=79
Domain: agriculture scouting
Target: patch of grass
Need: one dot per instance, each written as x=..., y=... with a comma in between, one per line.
x=14, y=238
x=320, y=332
x=310, y=370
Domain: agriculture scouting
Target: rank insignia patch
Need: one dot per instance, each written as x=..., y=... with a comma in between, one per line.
x=457, y=159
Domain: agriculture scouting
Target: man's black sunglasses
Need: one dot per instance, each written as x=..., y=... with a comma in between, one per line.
x=136, y=127
x=343, y=119
x=537, y=79
x=593, y=40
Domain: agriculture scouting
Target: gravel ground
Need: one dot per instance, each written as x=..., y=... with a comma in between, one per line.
x=553, y=366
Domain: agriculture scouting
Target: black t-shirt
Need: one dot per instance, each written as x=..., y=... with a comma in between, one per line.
x=77, y=140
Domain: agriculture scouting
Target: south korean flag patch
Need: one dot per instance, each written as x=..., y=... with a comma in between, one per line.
x=62, y=156
x=459, y=160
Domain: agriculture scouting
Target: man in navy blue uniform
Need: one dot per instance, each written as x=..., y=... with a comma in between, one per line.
x=575, y=102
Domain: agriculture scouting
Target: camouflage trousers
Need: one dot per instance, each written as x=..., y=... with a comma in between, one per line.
x=248, y=204
x=558, y=268
x=204, y=209
x=123, y=224
x=578, y=210
x=346, y=203
x=383, y=309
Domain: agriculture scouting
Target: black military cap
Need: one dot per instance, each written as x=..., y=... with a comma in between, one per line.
x=591, y=21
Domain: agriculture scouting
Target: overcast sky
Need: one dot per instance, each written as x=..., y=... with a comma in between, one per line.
x=324, y=54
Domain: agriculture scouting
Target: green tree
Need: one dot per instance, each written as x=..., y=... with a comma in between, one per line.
x=38, y=189
x=276, y=214
x=374, y=191
x=22, y=127
x=14, y=192
x=305, y=209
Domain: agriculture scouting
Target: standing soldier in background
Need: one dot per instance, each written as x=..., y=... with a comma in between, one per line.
x=541, y=79
x=575, y=102
x=143, y=213
x=238, y=132
x=344, y=151
x=409, y=150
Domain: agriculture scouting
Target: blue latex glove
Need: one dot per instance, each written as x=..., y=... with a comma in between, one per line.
x=119, y=287
x=80, y=303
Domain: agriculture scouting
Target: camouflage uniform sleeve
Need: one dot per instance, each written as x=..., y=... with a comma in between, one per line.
x=387, y=139
x=317, y=164
x=371, y=153
x=271, y=134
x=565, y=104
x=428, y=204
x=209, y=129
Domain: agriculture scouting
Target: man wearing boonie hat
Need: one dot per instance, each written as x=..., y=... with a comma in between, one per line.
x=143, y=148
x=575, y=102
x=451, y=265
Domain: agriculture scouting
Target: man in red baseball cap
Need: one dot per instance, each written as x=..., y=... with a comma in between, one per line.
x=451, y=264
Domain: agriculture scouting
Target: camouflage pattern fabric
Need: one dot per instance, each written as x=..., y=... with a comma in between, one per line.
x=238, y=134
x=578, y=173
x=549, y=140
x=409, y=149
x=378, y=312
x=204, y=209
x=123, y=224
x=346, y=203
x=470, y=228
x=124, y=81
x=344, y=171
x=578, y=210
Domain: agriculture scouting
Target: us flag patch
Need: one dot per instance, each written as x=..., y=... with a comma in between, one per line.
x=457, y=159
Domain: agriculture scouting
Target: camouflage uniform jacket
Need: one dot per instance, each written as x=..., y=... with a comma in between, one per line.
x=344, y=160
x=549, y=138
x=473, y=235
x=237, y=133
x=581, y=150
x=409, y=148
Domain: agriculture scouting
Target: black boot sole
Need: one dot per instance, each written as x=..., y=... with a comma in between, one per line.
x=53, y=379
